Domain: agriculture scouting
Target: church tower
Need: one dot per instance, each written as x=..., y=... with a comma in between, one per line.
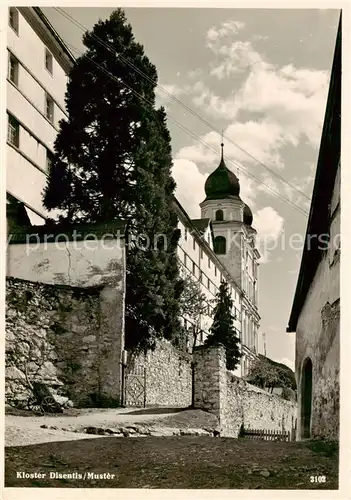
x=234, y=239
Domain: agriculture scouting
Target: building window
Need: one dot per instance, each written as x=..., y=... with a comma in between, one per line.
x=13, y=19
x=220, y=245
x=186, y=234
x=194, y=269
x=13, y=69
x=209, y=262
x=49, y=108
x=13, y=131
x=49, y=158
x=209, y=284
x=194, y=244
x=48, y=61
x=201, y=276
x=201, y=254
x=219, y=215
x=215, y=271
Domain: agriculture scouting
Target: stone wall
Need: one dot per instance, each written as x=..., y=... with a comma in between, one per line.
x=257, y=408
x=168, y=376
x=235, y=402
x=57, y=335
x=65, y=312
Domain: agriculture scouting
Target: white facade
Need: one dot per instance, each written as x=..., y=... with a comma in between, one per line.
x=196, y=256
x=36, y=86
x=198, y=260
x=240, y=258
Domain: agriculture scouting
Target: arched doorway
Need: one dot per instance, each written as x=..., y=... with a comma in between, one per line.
x=306, y=399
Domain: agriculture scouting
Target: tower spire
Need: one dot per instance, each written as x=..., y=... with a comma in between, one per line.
x=222, y=146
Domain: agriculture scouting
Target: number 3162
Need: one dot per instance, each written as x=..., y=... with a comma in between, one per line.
x=318, y=479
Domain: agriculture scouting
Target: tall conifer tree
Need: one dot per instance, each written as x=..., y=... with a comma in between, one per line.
x=222, y=330
x=113, y=161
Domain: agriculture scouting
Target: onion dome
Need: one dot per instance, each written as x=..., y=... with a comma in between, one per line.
x=248, y=217
x=222, y=183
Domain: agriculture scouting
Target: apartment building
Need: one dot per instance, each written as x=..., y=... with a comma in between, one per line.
x=38, y=64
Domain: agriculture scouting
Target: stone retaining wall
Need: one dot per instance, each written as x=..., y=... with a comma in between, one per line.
x=59, y=335
x=168, y=376
x=235, y=402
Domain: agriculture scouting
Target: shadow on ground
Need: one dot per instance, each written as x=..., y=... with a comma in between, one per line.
x=173, y=462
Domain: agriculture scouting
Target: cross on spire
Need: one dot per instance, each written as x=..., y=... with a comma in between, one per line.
x=222, y=145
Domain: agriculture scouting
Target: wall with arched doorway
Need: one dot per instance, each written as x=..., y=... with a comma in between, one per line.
x=318, y=336
x=305, y=406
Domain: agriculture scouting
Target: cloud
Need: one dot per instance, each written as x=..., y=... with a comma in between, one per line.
x=175, y=90
x=237, y=57
x=293, y=98
x=190, y=185
x=195, y=73
x=272, y=107
x=231, y=27
x=297, y=192
x=269, y=223
x=262, y=139
x=269, y=226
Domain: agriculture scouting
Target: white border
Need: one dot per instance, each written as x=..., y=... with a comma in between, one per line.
x=345, y=456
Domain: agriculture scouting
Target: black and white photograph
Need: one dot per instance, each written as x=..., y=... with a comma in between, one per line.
x=172, y=248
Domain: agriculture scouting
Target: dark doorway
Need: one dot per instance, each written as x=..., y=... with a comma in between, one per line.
x=306, y=399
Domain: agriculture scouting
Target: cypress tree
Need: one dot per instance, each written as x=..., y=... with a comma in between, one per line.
x=222, y=330
x=113, y=161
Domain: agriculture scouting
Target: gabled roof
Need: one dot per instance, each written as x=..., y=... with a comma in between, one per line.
x=327, y=166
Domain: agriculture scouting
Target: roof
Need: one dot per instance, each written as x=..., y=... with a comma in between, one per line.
x=248, y=217
x=222, y=183
x=44, y=29
x=327, y=166
x=67, y=232
x=188, y=222
x=16, y=213
x=201, y=224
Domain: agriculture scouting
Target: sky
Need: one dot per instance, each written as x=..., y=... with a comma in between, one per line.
x=261, y=76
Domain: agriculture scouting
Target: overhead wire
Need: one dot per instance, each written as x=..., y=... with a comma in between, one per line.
x=188, y=131
x=178, y=101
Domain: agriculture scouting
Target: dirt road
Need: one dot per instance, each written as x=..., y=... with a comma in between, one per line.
x=173, y=462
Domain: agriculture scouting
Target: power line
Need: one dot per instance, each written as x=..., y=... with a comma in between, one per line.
x=188, y=131
x=178, y=101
